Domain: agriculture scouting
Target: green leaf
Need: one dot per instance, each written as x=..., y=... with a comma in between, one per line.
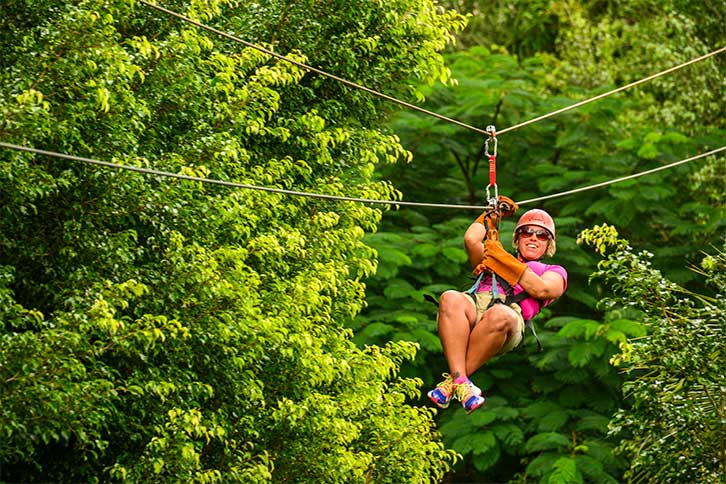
x=652, y=137
x=486, y=459
x=648, y=151
x=593, y=422
x=573, y=375
x=593, y=469
x=634, y=329
x=540, y=409
x=547, y=441
x=425, y=250
x=482, y=418
x=427, y=340
x=565, y=472
x=580, y=354
x=486, y=442
x=553, y=421
x=542, y=464
x=374, y=330
x=509, y=434
x=474, y=443
x=455, y=255
x=398, y=288
x=579, y=328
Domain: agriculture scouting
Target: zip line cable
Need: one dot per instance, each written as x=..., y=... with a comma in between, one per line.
x=310, y=68
x=384, y=96
x=150, y=171
x=413, y=106
x=613, y=91
x=617, y=180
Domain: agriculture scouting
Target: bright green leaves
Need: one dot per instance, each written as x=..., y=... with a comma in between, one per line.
x=176, y=450
x=676, y=371
x=598, y=338
x=600, y=237
x=382, y=45
x=159, y=330
x=565, y=472
x=362, y=400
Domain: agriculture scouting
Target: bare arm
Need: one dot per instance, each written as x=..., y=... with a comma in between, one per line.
x=549, y=285
x=474, y=242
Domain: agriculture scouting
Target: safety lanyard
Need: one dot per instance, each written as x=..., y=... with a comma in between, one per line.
x=493, y=200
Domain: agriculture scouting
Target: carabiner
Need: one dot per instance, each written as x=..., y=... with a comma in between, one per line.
x=492, y=131
x=493, y=201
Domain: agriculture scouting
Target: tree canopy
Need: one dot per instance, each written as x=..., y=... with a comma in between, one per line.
x=163, y=330
x=159, y=330
x=550, y=412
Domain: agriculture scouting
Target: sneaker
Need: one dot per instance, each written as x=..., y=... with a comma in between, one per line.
x=441, y=395
x=469, y=396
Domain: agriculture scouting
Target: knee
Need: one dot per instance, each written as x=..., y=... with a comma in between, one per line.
x=449, y=301
x=500, y=318
x=453, y=309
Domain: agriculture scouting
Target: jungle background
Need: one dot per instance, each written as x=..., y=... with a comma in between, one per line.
x=160, y=330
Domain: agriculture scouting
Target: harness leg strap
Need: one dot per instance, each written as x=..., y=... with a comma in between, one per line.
x=530, y=325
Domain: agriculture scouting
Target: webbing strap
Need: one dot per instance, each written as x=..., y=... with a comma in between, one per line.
x=492, y=132
x=472, y=289
x=530, y=325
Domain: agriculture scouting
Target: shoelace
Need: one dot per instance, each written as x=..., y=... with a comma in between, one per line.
x=465, y=391
x=447, y=386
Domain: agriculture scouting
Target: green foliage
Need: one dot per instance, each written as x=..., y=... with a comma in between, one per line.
x=524, y=27
x=634, y=131
x=157, y=330
x=514, y=62
x=554, y=404
x=381, y=45
x=673, y=428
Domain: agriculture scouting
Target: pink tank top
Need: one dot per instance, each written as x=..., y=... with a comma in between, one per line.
x=530, y=306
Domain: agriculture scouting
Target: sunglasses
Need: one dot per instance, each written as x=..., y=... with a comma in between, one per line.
x=541, y=234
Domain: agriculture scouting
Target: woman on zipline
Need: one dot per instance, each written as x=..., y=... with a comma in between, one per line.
x=472, y=329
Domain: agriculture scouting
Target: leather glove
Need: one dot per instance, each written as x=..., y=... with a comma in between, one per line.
x=507, y=206
x=481, y=267
x=501, y=263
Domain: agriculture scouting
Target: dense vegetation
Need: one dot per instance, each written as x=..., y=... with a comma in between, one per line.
x=161, y=330
x=548, y=416
x=157, y=330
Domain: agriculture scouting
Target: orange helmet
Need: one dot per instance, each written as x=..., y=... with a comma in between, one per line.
x=539, y=218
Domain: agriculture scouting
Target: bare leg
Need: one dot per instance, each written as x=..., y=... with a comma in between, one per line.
x=456, y=319
x=488, y=337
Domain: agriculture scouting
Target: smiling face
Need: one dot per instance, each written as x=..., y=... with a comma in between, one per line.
x=532, y=242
